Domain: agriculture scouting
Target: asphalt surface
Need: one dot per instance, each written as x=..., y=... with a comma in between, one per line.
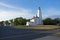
x=48, y=38
x=10, y=33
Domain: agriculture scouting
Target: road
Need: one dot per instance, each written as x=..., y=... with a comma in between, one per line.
x=10, y=33
x=48, y=38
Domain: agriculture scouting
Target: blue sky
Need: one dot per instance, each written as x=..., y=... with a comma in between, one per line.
x=10, y=9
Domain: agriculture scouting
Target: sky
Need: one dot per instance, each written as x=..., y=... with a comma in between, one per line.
x=10, y=9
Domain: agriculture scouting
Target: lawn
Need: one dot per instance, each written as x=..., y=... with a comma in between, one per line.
x=38, y=27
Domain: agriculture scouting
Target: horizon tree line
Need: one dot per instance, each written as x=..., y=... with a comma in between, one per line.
x=22, y=21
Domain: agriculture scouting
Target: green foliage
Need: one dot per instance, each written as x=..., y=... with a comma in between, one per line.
x=7, y=23
x=11, y=20
x=28, y=20
x=20, y=21
x=49, y=21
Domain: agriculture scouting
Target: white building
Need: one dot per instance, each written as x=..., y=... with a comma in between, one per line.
x=36, y=20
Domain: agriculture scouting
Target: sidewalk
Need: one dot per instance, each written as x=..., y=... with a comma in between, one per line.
x=48, y=38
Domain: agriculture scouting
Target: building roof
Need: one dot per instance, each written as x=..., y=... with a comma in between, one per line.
x=35, y=17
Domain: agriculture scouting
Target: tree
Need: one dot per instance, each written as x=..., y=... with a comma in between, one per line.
x=47, y=21
x=11, y=20
x=20, y=21
x=7, y=23
x=57, y=20
x=28, y=20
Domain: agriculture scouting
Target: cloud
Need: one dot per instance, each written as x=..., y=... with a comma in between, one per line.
x=9, y=6
x=6, y=5
x=14, y=12
x=6, y=15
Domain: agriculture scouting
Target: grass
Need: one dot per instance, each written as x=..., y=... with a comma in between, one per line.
x=38, y=27
x=45, y=27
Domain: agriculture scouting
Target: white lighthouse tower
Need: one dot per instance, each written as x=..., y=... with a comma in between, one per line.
x=36, y=20
x=40, y=16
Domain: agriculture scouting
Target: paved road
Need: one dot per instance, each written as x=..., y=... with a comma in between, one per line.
x=10, y=33
x=48, y=38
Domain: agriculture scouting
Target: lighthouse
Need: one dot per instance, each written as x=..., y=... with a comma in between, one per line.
x=36, y=20
x=39, y=14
